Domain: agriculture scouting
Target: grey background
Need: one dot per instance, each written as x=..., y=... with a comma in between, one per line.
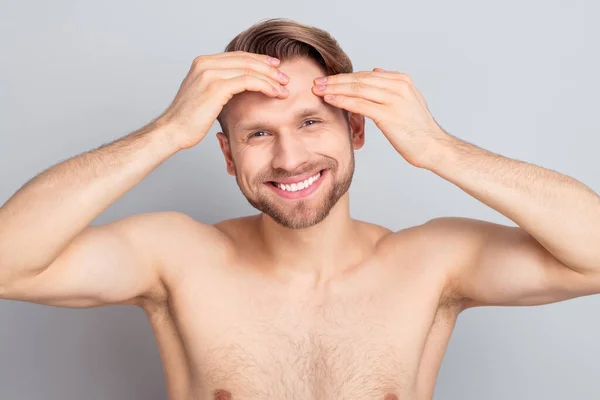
x=519, y=78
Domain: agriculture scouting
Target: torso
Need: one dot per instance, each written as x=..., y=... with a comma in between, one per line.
x=229, y=331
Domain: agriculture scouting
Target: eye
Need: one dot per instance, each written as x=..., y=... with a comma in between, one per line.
x=256, y=134
x=311, y=120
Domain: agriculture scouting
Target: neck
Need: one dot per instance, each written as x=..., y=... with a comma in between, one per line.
x=317, y=253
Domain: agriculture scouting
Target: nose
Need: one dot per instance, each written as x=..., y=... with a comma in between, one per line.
x=290, y=152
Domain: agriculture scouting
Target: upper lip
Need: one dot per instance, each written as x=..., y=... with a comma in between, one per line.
x=297, y=178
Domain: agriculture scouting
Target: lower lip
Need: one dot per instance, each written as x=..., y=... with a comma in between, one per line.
x=299, y=194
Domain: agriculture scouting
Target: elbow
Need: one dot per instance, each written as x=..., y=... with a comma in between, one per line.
x=8, y=282
x=3, y=283
x=3, y=291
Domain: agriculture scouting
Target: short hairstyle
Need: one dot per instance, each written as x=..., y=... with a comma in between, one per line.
x=286, y=39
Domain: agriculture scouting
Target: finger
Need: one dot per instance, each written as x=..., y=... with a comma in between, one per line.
x=369, y=78
x=400, y=80
x=242, y=62
x=406, y=78
x=247, y=82
x=382, y=77
x=356, y=89
x=393, y=75
x=250, y=64
x=356, y=105
x=403, y=77
x=232, y=73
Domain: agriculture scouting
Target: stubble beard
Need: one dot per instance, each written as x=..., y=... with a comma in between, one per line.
x=303, y=213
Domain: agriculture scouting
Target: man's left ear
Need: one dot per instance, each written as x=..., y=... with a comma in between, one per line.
x=357, y=130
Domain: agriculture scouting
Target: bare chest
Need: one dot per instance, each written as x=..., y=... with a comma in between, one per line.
x=306, y=357
x=252, y=342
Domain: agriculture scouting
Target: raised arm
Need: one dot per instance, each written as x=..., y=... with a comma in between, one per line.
x=122, y=262
x=490, y=264
x=552, y=254
x=48, y=251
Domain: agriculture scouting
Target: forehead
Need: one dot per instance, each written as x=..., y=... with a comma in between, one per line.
x=248, y=108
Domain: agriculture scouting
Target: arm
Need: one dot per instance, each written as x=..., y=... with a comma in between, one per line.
x=49, y=254
x=496, y=265
x=554, y=252
x=128, y=261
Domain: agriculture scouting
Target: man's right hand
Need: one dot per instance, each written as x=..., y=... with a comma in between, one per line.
x=210, y=83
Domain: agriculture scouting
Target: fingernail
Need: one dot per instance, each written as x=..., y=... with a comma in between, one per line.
x=322, y=79
x=320, y=88
x=284, y=76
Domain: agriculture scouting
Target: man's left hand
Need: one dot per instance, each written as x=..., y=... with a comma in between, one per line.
x=396, y=106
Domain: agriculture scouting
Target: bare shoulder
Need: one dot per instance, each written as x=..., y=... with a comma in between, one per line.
x=175, y=242
x=436, y=246
x=171, y=229
x=453, y=242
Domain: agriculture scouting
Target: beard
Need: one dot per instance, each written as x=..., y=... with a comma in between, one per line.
x=304, y=213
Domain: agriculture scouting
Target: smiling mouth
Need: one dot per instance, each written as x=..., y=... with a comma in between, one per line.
x=300, y=185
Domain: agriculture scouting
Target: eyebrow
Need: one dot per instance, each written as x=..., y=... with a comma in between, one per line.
x=245, y=126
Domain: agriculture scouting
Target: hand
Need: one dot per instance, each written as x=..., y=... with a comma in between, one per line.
x=392, y=101
x=210, y=83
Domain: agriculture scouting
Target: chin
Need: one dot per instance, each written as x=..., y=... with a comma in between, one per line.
x=299, y=216
x=294, y=222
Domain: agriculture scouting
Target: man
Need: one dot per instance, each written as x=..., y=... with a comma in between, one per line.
x=299, y=301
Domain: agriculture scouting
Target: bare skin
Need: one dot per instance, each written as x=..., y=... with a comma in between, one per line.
x=300, y=301
x=377, y=328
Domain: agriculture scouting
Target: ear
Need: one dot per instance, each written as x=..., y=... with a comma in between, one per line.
x=357, y=129
x=224, y=143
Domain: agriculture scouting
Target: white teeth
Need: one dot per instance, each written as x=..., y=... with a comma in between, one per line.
x=294, y=187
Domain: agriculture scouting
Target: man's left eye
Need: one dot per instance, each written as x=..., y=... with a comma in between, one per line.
x=255, y=134
x=311, y=120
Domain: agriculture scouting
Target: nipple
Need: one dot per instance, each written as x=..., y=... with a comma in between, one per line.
x=221, y=394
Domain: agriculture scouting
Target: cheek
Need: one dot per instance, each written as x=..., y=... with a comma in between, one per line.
x=249, y=171
x=329, y=139
x=335, y=143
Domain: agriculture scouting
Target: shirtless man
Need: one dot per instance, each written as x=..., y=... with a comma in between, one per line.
x=300, y=301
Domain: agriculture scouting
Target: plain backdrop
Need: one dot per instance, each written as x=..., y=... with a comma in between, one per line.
x=519, y=78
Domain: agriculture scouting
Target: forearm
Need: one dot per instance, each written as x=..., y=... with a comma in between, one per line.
x=46, y=213
x=558, y=211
